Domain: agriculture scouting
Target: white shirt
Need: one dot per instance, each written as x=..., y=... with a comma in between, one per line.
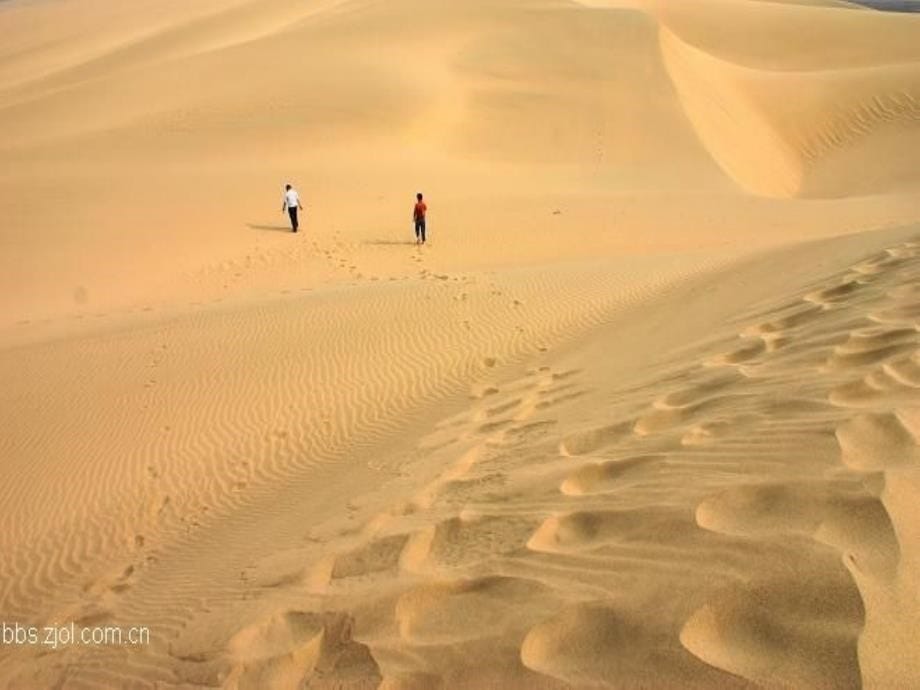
x=291, y=200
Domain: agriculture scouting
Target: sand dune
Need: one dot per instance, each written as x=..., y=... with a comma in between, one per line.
x=801, y=129
x=606, y=131
x=643, y=413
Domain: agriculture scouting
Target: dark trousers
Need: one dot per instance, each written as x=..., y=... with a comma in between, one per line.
x=420, y=229
x=292, y=212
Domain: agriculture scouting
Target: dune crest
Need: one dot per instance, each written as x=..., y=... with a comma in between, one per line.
x=800, y=134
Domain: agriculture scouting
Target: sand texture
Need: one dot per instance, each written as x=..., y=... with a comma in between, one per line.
x=643, y=413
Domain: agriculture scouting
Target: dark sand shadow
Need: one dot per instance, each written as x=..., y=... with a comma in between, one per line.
x=253, y=226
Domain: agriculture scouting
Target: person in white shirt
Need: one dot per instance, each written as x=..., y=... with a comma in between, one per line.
x=291, y=204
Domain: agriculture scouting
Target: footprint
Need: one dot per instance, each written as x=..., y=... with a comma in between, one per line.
x=292, y=648
x=527, y=433
x=492, y=427
x=872, y=345
x=799, y=316
x=604, y=476
x=745, y=353
x=702, y=391
x=551, y=390
x=563, y=375
x=587, y=530
x=664, y=418
x=559, y=400
x=591, y=440
x=464, y=541
x=706, y=433
x=378, y=556
x=118, y=583
x=455, y=611
x=833, y=295
x=503, y=408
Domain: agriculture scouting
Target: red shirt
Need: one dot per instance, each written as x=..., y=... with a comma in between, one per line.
x=420, y=209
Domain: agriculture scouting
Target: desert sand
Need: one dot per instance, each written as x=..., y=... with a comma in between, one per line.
x=643, y=413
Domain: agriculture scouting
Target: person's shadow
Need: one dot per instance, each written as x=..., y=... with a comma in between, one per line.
x=277, y=228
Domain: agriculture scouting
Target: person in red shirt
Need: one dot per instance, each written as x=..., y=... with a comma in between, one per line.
x=418, y=215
